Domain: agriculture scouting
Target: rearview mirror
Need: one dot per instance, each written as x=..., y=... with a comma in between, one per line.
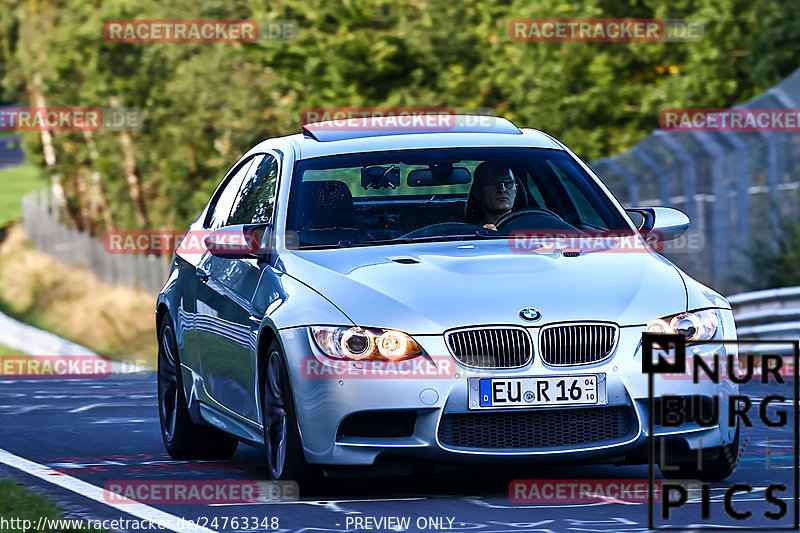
x=438, y=176
x=237, y=241
x=665, y=222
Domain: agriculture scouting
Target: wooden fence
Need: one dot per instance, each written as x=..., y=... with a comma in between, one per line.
x=78, y=249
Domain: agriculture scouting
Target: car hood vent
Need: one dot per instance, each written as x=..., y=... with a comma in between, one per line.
x=404, y=260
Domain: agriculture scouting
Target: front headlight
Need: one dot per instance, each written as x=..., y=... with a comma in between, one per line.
x=694, y=325
x=358, y=343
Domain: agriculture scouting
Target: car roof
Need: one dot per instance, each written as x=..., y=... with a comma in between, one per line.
x=381, y=126
x=376, y=134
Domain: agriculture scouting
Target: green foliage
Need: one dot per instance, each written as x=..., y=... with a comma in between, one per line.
x=776, y=260
x=17, y=502
x=205, y=104
x=15, y=183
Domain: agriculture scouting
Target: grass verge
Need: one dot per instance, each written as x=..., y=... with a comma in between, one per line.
x=19, y=504
x=5, y=350
x=117, y=322
x=16, y=182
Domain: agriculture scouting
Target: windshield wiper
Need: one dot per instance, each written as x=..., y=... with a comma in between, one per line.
x=455, y=236
x=423, y=238
x=398, y=240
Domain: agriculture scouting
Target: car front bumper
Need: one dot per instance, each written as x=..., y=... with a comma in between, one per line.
x=325, y=399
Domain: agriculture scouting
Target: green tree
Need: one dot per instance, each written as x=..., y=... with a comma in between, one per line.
x=205, y=104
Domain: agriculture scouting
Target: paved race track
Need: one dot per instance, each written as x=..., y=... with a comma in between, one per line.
x=107, y=429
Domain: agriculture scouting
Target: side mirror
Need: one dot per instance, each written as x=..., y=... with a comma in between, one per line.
x=665, y=222
x=236, y=242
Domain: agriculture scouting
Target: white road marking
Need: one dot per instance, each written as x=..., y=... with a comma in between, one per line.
x=28, y=409
x=20, y=410
x=97, y=494
x=118, y=420
x=93, y=405
x=85, y=465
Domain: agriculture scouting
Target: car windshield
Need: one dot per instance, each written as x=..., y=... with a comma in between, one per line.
x=441, y=194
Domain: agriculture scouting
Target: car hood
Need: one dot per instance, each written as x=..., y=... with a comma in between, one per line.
x=427, y=288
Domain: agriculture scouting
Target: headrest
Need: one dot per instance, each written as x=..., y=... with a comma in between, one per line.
x=325, y=204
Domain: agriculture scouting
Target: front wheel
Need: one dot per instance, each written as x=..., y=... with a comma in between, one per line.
x=282, y=443
x=183, y=439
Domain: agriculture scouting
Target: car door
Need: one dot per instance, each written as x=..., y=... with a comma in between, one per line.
x=192, y=251
x=227, y=344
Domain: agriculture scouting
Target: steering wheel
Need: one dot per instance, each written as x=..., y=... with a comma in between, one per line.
x=513, y=215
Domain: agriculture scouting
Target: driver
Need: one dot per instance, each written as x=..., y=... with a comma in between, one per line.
x=493, y=192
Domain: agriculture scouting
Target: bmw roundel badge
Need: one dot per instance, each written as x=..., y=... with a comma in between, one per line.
x=530, y=314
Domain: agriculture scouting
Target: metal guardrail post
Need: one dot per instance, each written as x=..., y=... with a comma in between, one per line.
x=743, y=184
x=630, y=181
x=720, y=229
x=661, y=174
x=688, y=172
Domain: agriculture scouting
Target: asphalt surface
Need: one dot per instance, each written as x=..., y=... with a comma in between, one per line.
x=104, y=430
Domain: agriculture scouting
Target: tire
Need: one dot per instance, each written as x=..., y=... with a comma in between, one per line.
x=183, y=439
x=283, y=446
x=712, y=470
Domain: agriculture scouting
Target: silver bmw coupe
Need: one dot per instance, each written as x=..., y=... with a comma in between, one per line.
x=373, y=294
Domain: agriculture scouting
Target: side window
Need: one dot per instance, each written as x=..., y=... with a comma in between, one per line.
x=221, y=209
x=255, y=202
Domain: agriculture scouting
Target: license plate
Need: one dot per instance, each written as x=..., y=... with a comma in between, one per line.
x=538, y=391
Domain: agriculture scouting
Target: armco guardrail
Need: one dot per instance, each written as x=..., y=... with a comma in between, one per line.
x=768, y=314
x=734, y=185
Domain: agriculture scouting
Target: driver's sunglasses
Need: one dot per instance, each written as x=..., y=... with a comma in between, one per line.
x=507, y=184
